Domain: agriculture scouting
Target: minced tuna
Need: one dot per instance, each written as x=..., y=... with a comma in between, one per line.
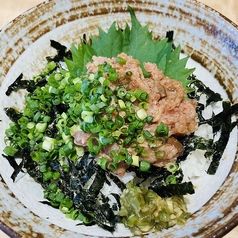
x=167, y=103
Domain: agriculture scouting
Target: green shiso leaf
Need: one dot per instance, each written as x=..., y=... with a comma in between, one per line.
x=80, y=57
x=109, y=44
x=137, y=42
x=175, y=68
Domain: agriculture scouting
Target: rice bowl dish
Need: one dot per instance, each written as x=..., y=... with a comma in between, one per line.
x=199, y=175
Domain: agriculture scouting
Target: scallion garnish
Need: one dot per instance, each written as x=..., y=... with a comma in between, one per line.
x=171, y=179
x=94, y=145
x=162, y=130
x=103, y=162
x=144, y=165
x=120, y=60
x=141, y=95
x=172, y=167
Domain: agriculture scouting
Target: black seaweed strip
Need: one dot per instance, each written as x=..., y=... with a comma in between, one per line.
x=116, y=180
x=11, y=161
x=174, y=189
x=14, y=85
x=25, y=157
x=13, y=114
x=61, y=52
x=221, y=144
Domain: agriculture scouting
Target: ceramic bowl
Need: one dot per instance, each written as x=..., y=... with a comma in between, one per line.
x=205, y=35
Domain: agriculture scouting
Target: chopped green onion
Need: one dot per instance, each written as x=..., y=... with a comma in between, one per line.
x=56, y=175
x=130, y=117
x=140, y=138
x=54, y=90
x=141, y=114
x=95, y=129
x=133, y=98
x=10, y=150
x=43, y=168
x=103, y=98
x=103, y=162
x=87, y=116
x=159, y=154
x=48, y=144
x=141, y=95
x=74, y=215
x=121, y=104
x=149, y=119
x=152, y=142
x=110, y=109
x=66, y=204
x=128, y=74
x=135, y=126
x=172, y=167
x=47, y=175
x=94, y=146
x=58, y=77
x=129, y=107
x=101, y=80
x=143, y=105
x=46, y=119
x=171, y=179
x=127, y=140
x=80, y=151
x=95, y=109
x=65, y=168
x=120, y=60
x=86, y=113
x=144, y=165
x=106, y=140
x=116, y=134
x=121, y=93
x=50, y=65
x=59, y=196
x=129, y=159
x=91, y=76
x=161, y=130
x=53, y=187
x=110, y=125
x=122, y=151
x=35, y=156
x=86, y=219
x=119, y=121
x=113, y=166
x=112, y=77
x=135, y=160
x=31, y=125
x=147, y=135
x=104, y=132
x=124, y=130
x=144, y=153
x=41, y=127
x=138, y=149
x=66, y=149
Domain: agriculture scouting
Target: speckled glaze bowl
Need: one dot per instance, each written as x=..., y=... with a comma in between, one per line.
x=209, y=38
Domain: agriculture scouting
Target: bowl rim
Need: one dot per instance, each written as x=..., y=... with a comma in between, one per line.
x=229, y=225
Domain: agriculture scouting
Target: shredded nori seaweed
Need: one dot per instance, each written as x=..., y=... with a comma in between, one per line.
x=29, y=85
x=221, y=122
x=172, y=189
x=156, y=178
x=13, y=114
x=62, y=52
